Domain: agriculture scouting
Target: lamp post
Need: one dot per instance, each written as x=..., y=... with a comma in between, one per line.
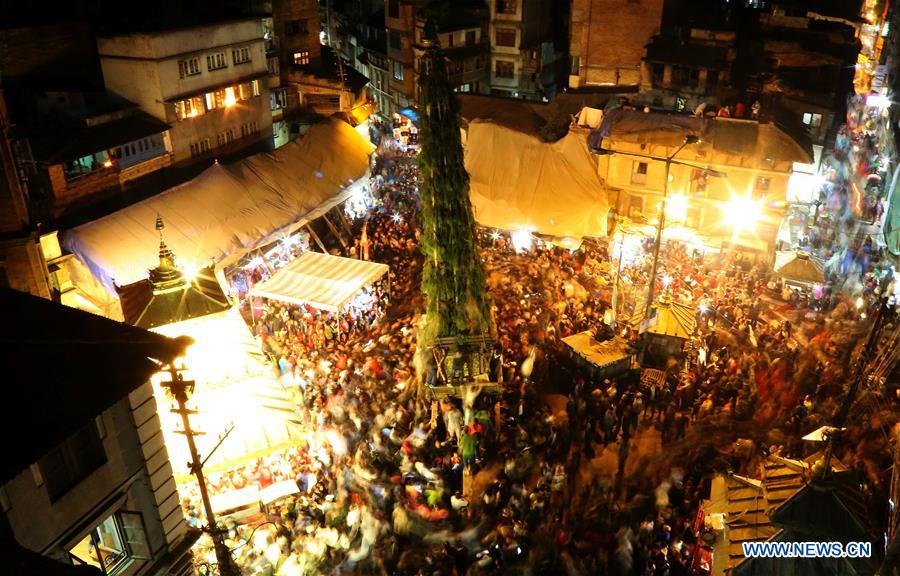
x=669, y=160
x=180, y=388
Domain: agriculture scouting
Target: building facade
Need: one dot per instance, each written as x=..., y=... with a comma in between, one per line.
x=106, y=496
x=462, y=36
x=603, y=53
x=208, y=82
x=728, y=189
x=525, y=60
x=314, y=77
x=400, y=22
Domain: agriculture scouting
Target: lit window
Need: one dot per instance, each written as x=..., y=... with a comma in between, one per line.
x=812, y=120
x=189, y=67
x=699, y=181
x=301, y=58
x=398, y=70
x=113, y=543
x=189, y=108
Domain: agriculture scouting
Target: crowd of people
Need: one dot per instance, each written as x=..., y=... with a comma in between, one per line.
x=391, y=484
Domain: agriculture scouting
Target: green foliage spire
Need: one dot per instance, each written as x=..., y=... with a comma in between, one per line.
x=453, y=278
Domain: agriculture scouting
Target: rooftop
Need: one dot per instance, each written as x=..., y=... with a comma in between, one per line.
x=745, y=138
x=145, y=307
x=69, y=142
x=326, y=68
x=55, y=381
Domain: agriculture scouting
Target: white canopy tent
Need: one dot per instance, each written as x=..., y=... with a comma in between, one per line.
x=321, y=280
x=518, y=182
x=227, y=211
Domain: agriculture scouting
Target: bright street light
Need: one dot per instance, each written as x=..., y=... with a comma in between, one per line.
x=676, y=207
x=742, y=213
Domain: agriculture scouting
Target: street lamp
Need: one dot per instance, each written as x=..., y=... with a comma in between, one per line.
x=669, y=160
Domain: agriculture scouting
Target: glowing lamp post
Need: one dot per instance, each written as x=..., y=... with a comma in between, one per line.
x=678, y=208
x=742, y=213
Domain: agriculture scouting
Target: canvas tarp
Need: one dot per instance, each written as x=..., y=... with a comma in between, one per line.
x=519, y=182
x=227, y=211
x=600, y=354
x=320, y=280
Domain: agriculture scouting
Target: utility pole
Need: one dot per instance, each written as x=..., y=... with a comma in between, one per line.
x=179, y=388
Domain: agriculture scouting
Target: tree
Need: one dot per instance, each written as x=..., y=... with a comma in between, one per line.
x=453, y=278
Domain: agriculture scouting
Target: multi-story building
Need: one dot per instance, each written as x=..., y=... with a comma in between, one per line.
x=400, y=21
x=802, y=63
x=728, y=188
x=315, y=77
x=681, y=71
x=208, y=82
x=90, y=484
x=605, y=54
x=462, y=36
x=88, y=147
x=376, y=65
x=526, y=60
x=795, y=58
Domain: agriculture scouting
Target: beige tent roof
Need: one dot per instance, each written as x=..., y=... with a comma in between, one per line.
x=320, y=280
x=519, y=182
x=227, y=211
x=597, y=353
x=800, y=267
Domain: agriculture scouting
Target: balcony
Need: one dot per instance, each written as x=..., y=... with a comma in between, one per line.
x=273, y=45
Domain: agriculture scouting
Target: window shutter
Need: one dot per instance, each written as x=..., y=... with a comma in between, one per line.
x=135, y=534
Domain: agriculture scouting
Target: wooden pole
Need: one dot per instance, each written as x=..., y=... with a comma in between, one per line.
x=179, y=387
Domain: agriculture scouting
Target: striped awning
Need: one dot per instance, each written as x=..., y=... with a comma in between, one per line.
x=320, y=280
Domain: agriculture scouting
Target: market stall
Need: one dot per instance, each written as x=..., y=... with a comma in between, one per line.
x=234, y=388
x=320, y=280
x=230, y=210
x=604, y=359
x=667, y=331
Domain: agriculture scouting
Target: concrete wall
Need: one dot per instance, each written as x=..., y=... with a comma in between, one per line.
x=610, y=37
x=124, y=482
x=144, y=68
x=215, y=122
x=136, y=80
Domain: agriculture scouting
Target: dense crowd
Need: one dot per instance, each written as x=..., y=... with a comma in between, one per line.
x=390, y=484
